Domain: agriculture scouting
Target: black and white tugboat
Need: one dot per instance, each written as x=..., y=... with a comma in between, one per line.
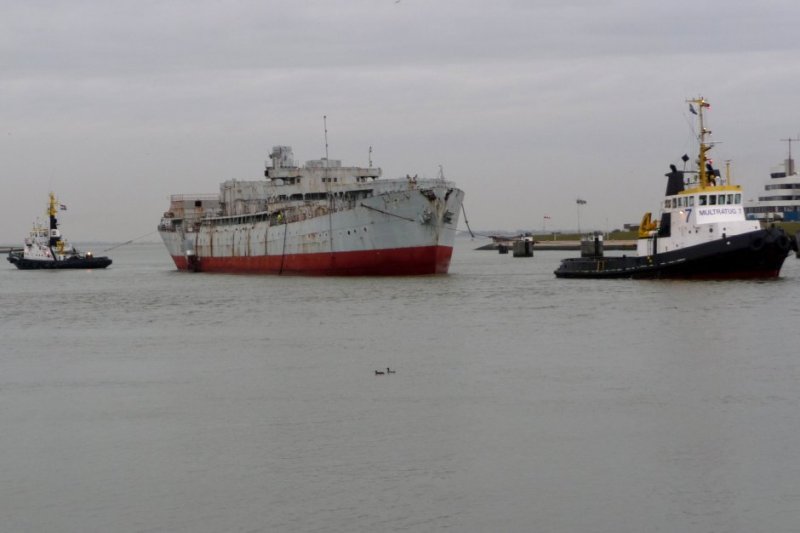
x=702, y=232
x=45, y=248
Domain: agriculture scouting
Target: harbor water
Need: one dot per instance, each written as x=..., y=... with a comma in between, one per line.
x=142, y=399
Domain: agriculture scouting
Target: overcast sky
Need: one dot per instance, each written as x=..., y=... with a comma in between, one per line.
x=527, y=105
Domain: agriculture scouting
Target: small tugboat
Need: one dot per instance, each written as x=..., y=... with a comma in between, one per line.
x=45, y=248
x=702, y=232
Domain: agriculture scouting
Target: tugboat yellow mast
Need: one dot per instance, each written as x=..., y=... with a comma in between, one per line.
x=46, y=248
x=55, y=235
x=701, y=233
x=52, y=208
x=704, y=147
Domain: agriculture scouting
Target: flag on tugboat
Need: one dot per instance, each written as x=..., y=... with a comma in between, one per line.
x=692, y=109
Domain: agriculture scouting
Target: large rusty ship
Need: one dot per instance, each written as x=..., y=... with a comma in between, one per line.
x=320, y=218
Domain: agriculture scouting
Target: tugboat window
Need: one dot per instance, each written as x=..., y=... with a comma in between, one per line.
x=691, y=201
x=712, y=199
x=702, y=199
x=730, y=199
x=738, y=198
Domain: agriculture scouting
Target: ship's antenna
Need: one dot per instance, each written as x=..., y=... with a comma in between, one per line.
x=370, y=158
x=790, y=140
x=789, y=166
x=325, y=125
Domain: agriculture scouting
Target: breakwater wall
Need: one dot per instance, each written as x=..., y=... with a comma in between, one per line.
x=568, y=245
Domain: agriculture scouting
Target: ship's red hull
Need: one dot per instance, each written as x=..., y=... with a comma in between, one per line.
x=421, y=260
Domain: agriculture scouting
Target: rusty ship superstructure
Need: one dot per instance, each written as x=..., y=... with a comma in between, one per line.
x=320, y=218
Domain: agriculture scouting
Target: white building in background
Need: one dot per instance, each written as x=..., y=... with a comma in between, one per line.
x=780, y=199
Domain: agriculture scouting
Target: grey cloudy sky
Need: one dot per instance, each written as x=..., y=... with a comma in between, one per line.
x=526, y=104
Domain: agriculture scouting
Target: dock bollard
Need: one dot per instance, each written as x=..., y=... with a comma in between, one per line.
x=523, y=248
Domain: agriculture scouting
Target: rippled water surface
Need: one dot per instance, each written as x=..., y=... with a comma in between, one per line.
x=140, y=398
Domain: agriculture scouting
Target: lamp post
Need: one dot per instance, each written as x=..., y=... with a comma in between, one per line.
x=580, y=202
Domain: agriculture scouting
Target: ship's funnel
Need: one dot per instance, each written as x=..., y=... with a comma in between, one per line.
x=674, y=181
x=282, y=157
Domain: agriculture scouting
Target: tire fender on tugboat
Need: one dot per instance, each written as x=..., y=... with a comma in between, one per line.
x=783, y=242
x=757, y=243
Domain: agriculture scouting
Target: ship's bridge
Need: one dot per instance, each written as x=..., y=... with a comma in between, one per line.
x=722, y=195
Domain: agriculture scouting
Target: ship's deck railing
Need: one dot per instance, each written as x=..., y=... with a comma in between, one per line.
x=388, y=184
x=185, y=197
x=336, y=189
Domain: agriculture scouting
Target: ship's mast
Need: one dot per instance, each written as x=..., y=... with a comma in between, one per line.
x=52, y=211
x=327, y=179
x=704, y=146
x=789, y=163
x=325, y=127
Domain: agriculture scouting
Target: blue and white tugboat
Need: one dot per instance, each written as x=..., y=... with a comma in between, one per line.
x=702, y=232
x=45, y=248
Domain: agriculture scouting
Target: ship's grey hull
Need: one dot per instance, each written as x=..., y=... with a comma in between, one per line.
x=399, y=232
